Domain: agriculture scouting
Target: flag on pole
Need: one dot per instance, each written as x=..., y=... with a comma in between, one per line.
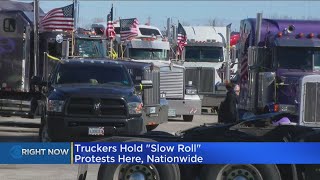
x=128, y=28
x=110, y=33
x=58, y=19
x=181, y=39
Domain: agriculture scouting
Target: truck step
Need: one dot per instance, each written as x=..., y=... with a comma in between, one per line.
x=208, y=111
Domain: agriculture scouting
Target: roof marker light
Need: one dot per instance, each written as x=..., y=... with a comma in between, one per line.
x=279, y=34
x=300, y=35
x=311, y=35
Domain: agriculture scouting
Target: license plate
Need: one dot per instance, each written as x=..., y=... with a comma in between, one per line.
x=96, y=131
x=172, y=113
x=152, y=110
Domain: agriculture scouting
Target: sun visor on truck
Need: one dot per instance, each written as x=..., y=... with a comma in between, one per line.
x=149, y=45
x=297, y=42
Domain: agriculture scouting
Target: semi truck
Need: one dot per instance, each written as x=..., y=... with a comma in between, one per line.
x=150, y=46
x=203, y=56
x=279, y=59
x=18, y=95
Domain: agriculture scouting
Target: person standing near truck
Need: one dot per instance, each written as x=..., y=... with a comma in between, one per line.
x=228, y=112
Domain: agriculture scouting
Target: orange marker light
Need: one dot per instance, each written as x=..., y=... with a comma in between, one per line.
x=276, y=108
x=311, y=35
x=279, y=34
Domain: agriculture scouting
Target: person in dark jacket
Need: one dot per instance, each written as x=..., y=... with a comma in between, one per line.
x=229, y=113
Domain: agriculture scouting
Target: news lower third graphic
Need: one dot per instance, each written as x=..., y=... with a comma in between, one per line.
x=159, y=153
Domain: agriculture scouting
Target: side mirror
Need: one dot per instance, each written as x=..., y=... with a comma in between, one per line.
x=36, y=80
x=233, y=54
x=65, y=49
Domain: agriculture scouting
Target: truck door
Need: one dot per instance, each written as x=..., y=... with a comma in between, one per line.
x=14, y=52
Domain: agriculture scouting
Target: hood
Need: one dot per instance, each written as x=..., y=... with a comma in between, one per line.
x=159, y=63
x=64, y=91
x=215, y=65
x=298, y=73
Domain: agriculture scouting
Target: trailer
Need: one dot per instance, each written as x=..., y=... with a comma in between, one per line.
x=279, y=59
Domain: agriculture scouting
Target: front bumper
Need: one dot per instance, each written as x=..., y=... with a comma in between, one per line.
x=62, y=128
x=191, y=105
x=155, y=114
x=212, y=100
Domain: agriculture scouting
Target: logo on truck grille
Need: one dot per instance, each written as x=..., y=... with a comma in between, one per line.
x=97, y=106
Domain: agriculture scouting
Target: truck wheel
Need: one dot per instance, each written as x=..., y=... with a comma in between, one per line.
x=246, y=171
x=139, y=171
x=188, y=118
x=152, y=127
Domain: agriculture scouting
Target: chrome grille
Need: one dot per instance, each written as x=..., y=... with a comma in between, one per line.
x=312, y=102
x=152, y=96
x=202, y=78
x=96, y=107
x=172, y=84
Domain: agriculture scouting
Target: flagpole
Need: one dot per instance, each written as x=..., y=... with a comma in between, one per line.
x=176, y=40
x=36, y=36
x=111, y=39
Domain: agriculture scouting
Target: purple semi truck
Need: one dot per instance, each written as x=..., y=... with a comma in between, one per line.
x=279, y=63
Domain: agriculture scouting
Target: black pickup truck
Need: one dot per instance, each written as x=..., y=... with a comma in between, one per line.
x=89, y=98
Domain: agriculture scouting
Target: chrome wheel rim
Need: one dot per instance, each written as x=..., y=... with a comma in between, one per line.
x=136, y=172
x=239, y=172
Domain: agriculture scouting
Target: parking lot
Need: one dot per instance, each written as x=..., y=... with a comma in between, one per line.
x=14, y=129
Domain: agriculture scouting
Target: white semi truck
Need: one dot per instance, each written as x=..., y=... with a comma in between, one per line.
x=203, y=57
x=151, y=46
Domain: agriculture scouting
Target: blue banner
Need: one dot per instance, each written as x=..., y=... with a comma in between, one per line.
x=35, y=153
x=160, y=153
x=197, y=153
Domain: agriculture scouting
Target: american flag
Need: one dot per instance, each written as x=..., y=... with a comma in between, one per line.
x=181, y=39
x=128, y=28
x=110, y=33
x=58, y=19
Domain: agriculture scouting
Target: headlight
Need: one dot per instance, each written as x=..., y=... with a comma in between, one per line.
x=55, y=105
x=135, y=107
x=191, y=91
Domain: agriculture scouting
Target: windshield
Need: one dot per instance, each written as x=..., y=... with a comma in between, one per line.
x=203, y=54
x=307, y=58
x=92, y=48
x=92, y=74
x=147, y=54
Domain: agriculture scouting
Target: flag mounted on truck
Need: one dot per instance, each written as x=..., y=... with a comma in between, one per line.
x=59, y=19
x=181, y=39
x=128, y=28
x=110, y=32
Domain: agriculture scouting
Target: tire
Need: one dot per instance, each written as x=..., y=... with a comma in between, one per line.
x=187, y=118
x=249, y=171
x=152, y=127
x=158, y=171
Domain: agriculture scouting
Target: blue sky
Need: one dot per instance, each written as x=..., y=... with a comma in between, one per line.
x=189, y=12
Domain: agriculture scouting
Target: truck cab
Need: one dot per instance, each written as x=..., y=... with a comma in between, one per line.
x=204, y=58
x=281, y=73
x=150, y=46
x=90, y=98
